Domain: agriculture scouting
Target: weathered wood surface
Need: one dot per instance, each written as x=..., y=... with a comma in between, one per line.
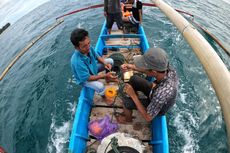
x=138, y=128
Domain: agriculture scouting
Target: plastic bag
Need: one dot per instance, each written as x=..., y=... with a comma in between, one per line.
x=102, y=127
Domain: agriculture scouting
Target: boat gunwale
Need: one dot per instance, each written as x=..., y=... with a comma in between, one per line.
x=159, y=136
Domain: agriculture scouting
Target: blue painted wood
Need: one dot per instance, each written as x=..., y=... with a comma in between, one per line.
x=80, y=135
x=159, y=139
x=121, y=36
x=115, y=46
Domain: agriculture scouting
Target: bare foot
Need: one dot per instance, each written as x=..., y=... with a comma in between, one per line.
x=111, y=80
x=120, y=117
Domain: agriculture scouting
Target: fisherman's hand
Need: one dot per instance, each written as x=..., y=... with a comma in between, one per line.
x=108, y=66
x=111, y=75
x=128, y=89
x=126, y=67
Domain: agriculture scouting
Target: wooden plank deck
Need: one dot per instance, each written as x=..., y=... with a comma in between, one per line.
x=138, y=128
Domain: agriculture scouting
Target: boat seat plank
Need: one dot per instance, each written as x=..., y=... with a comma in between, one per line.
x=114, y=39
x=121, y=46
x=99, y=101
x=126, y=42
x=121, y=36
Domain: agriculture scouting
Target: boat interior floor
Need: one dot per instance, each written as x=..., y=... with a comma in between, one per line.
x=138, y=128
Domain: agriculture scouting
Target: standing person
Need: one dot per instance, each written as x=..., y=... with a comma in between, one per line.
x=161, y=94
x=136, y=8
x=112, y=12
x=86, y=63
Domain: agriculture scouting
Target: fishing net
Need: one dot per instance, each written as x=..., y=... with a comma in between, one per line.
x=118, y=59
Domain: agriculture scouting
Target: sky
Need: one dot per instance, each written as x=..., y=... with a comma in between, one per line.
x=12, y=10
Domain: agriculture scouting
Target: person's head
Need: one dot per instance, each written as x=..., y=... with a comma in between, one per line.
x=155, y=62
x=80, y=40
x=130, y=1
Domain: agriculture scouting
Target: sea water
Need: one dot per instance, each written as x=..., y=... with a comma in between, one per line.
x=38, y=96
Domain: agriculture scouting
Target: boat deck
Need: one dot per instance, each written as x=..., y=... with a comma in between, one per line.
x=138, y=128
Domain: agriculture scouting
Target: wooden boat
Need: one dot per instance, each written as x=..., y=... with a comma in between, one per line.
x=159, y=138
x=90, y=106
x=211, y=62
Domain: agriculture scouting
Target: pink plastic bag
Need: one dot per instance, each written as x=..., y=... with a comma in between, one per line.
x=102, y=127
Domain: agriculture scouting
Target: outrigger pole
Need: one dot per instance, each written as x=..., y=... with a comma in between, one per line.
x=154, y=5
x=79, y=10
x=58, y=22
x=24, y=50
x=213, y=37
x=213, y=65
x=101, y=5
x=180, y=11
x=199, y=26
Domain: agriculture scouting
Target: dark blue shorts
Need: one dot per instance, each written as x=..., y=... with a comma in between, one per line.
x=139, y=84
x=129, y=104
x=114, y=17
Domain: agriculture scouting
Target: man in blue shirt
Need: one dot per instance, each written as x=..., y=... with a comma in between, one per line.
x=86, y=63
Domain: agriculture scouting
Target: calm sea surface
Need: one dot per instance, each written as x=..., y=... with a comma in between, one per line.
x=38, y=96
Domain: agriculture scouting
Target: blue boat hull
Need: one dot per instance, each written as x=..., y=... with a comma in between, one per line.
x=80, y=135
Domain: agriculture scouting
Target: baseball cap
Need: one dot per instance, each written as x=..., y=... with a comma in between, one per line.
x=154, y=58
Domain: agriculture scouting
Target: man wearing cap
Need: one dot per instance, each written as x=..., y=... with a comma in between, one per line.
x=160, y=94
